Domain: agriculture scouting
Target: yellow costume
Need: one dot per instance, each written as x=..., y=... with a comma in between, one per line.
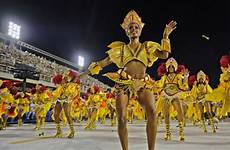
x=103, y=109
x=43, y=102
x=173, y=87
x=111, y=103
x=128, y=80
x=66, y=92
x=222, y=94
x=93, y=105
x=65, y=95
x=22, y=107
x=121, y=54
x=84, y=111
x=130, y=109
x=199, y=90
x=76, y=107
x=6, y=100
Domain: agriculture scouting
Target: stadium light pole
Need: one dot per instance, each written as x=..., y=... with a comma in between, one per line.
x=81, y=61
x=14, y=30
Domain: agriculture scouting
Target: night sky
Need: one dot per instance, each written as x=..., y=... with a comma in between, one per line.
x=86, y=27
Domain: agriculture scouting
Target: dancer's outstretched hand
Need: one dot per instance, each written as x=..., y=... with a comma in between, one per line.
x=169, y=28
x=186, y=73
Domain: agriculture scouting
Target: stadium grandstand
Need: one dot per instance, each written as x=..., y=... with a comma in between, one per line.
x=15, y=54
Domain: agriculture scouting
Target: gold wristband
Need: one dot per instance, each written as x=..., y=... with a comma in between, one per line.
x=94, y=68
x=165, y=45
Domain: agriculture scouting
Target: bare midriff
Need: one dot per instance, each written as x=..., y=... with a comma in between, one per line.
x=135, y=69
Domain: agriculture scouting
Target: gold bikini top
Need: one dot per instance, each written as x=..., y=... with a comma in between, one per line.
x=172, y=79
x=175, y=81
x=121, y=53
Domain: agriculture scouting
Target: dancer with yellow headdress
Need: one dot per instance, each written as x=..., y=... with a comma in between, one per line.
x=12, y=111
x=199, y=90
x=173, y=84
x=131, y=79
x=103, y=109
x=93, y=105
x=111, y=103
x=68, y=88
x=43, y=100
x=6, y=99
x=22, y=101
x=222, y=93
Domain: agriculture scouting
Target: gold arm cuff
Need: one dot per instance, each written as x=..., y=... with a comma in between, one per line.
x=94, y=68
x=165, y=45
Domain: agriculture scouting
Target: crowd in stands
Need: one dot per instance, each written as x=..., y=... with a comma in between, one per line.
x=47, y=68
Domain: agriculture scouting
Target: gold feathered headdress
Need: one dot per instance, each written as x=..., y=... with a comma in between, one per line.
x=173, y=62
x=201, y=75
x=132, y=17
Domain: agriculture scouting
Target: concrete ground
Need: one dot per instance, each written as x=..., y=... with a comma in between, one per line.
x=106, y=138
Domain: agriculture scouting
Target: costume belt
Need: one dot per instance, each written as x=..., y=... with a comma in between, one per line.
x=124, y=78
x=129, y=84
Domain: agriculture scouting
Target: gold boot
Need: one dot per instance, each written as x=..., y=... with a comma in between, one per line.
x=204, y=126
x=212, y=125
x=59, y=132
x=103, y=121
x=20, y=122
x=72, y=131
x=37, y=127
x=88, y=125
x=43, y=122
x=181, y=131
x=1, y=124
x=168, y=133
x=4, y=124
x=113, y=122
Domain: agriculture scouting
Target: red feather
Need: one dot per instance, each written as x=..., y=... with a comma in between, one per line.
x=225, y=61
x=78, y=81
x=181, y=69
x=57, y=79
x=72, y=74
x=7, y=84
x=96, y=89
x=42, y=88
x=207, y=78
x=191, y=80
x=161, y=70
x=109, y=95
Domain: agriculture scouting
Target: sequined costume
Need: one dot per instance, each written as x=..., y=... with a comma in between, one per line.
x=199, y=90
x=68, y=90
x=6, y=99
x=93, y=104
x=22, y=106
x=222, y=93
x=43, y=100
x=173, y=84
x=131, y=81
x=111, y=103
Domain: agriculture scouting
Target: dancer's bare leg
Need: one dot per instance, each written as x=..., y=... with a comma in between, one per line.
x=121, y=105
x=146, y=99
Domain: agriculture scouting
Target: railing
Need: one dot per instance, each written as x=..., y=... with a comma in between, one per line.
x=6, y=64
